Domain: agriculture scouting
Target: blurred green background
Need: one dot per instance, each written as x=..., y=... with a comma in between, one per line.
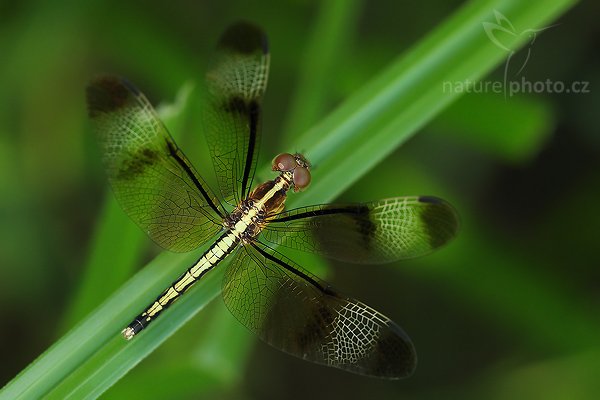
x=508, y=310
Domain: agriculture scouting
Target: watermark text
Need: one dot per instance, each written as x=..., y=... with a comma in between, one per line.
x=514, y=87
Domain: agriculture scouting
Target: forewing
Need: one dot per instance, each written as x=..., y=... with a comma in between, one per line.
x=236, y=82
x=377, y=232
x=152, y=179
x=296, y=312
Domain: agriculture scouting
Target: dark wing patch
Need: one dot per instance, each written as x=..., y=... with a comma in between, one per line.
x=435, y=217
x=106, y=95
x=135, y=164
x=245, y=38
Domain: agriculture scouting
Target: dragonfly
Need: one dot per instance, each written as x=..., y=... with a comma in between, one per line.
x=283, y=303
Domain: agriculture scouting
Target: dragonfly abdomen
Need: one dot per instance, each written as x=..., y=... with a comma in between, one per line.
x=216, y=253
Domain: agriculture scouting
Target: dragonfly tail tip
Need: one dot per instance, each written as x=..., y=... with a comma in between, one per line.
x=128, y=333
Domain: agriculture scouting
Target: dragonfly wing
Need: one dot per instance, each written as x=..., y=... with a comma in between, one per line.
x=296, y=312
x=236, y=82
x=152, y=179
x=377, y=232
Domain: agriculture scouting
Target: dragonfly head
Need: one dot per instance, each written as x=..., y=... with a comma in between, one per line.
x=295, y=164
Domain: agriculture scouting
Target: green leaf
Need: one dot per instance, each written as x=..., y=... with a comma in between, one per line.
x=333, y=27
x=116, y=249
x=513, y=130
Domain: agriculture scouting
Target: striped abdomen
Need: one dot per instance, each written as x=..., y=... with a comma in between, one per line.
x=217, y=252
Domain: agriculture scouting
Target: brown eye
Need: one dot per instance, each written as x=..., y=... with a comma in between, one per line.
x=301, y=178
x=284, y=162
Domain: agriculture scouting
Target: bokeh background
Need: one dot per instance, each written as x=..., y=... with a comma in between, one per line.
x=508, y=310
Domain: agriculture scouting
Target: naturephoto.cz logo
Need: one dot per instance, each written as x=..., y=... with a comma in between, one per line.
x=502, y=34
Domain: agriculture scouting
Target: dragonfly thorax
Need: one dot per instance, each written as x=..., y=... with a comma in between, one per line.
x=249, y=218
x=268, y=199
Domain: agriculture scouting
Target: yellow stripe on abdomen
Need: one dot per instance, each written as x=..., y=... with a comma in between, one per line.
x=224, y=245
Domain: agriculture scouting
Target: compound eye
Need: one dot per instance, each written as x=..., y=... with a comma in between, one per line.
x=284, y=162
x=301, y=178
